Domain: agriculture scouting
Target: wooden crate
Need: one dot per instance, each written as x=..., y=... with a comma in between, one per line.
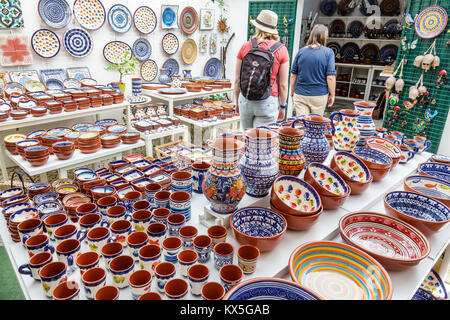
x=159, y=150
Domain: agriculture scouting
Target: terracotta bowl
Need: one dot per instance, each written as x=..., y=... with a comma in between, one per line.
x=63, y=146
x=394, y=243
x=249, y=227
x=332, y=203
x=298, y=222
x=435, y=169
x=424, y=213
x=18, y=114
x=64, y=155
x=39, y=162
x=326, y=181
x=387, y=147
x=37, y=151
x=352, y=170
x=438, y=189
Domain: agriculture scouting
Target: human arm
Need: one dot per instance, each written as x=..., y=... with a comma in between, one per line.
x=237, y=88
x=283, y=76
x=294, y=74
x=293, y=83
x=331, y=80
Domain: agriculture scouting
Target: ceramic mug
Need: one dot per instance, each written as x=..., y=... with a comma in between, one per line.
x=115, y=213
x=422, y=144
x=213, y=291
x=162, y=198
x=54, y=221
x=187, y=235
x=174, y=222
x=107, y=293
x=86, y=208
x=29, y=228
x=68, y=251
x=38, y=243
x=171, y=246
x=110, y=251
x=51, y=275
x=230, y=275
x=203, y=247
x=156, y=233
x=223, y=254
x=140, y=283
x=217, y=234
x=198, y=275
x=149, y=257
x=150, y=296
x=130, y=198
x=69, y=231
x=98, y=237
x=180, y=203
x=68, y=290
x=121, y=268
x=93, y=279
x=247, y=257
x=141, y=219
x=160, y=215
x=407, y=153
x=186, y=259
x=141, y=205
x=150, y=191
x=176, y=289
x=164, y=271
x=136, y=241
x=106, y=202
x=87, y=260
x=35, y=264
x=413, y=144
x=92, y=220
x=399, y=136
x=199, y=170
x=120, y=230
x=392, y=139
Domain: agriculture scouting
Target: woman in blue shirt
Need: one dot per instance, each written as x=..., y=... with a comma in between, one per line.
x=313, y=75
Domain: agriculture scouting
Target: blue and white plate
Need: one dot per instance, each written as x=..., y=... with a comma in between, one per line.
x=38, y=186
x=78, y=42
x=142, y=49
x=106, y=122
x=120, y=18
x=55, y=13
x=48, y=207
x=169, y=16
x=54, y=84
x=423, y=295
x=213, y=68
x=118, y=128
x=57, y=74
x=173, y=66
x=45, y=197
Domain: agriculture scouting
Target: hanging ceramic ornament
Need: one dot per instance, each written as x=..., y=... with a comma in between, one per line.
x=442, y=79
x=413, y=92
x=422, y=90
x=429, y=115
x=203, y=43
x=399, y=85
x=418, y=61
x=427, y=61
x=213, y=43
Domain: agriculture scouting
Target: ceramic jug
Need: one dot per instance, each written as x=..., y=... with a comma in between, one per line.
x=164, y=75
x=365, y=124
x=291, y=160
x=187, y=74
x=346, y=133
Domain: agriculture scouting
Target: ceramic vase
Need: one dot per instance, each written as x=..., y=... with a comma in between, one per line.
x=164, y=75
x=187, y=74
x=346, y=133
x=259, y=166
x=314, y=144
x=223, y=185
x=291, y=160
x=136, y=84
x=365, y=124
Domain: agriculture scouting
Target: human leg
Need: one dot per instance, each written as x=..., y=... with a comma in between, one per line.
x=246, y=113
x=265, y=111
x=301, y=105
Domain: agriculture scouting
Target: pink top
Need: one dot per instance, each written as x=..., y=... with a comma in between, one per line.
x=281, y=56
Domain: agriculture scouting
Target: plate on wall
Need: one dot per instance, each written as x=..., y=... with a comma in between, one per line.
x=120, y=18
x=78, y=73
x=189, y=51
x=350, y=50
x=145, y=20
x=431, y=22
x=189, y=20
x=388, y=53
x=45, y=43
x=142, y=49
x=77, y=42
x=114, y=52
x=90, y=14
x=173, y=67
x=169, y=15
x=170, y=43
x=149, y=70
x=55, y=13
x=213, y=68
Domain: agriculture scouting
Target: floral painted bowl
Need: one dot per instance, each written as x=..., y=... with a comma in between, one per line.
x=424, y=213
x=16, y=199
x=392, y=242
x=352, y=170
x=434, y=169
x=269, y=289
x=22, y=215
x=44, y=197
x=378, y=162
x=9, y=193
x=435, y=188
x=387, y=147
x=335, y=270
x=434, y=285
x=294, y=196
x=325, y=181
x=258, y=226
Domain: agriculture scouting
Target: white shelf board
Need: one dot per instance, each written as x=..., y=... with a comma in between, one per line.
x=184, y=96
x=207, y=124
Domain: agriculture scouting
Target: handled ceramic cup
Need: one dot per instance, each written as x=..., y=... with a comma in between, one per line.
x=422, y=144
x=29, y=228
x=92, y=220
x=98, y=237
x=51, y=275
x=110, y=251
x=156, y=233
x=407, y=153
x=140, y=283
x=106, y=202
x=54, y=221
x=141, y=219
x=121, y=268
x=115, y=213
x=69, y=231
x=68, y=251
x=120, y=230
x=35, y=264
x=186, y=259
x=198, y=275
x=68, y=290
x=38, y=243
x=136, y=241
x=87, y=260
x=92, y=280
x=149, y=257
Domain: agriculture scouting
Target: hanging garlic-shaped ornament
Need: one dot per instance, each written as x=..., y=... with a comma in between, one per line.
x=399, y=85
x=422, y=90
x=390, y=82
x=413, y=92
x=436, y=62
x=418, y=61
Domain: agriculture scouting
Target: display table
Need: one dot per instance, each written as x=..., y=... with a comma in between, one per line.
x=275, y=263
x=49, y=118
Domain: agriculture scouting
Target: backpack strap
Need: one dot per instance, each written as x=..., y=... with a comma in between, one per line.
x=274, y=48
x=254, y=43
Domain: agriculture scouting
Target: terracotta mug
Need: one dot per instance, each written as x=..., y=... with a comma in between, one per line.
x=202, y=245
x=199, y=170
x=107, y=293
x=36, y=262
x=176, y=289
x=136, y=241
x=29, y=228
x=141, y=205
x=186, y=259
x=161, y=214
x=110, y=251
x=223, y=254
x=117, y=213
x=217, y=234
x=150, y=191
x=164, y=271
x=150, y=296
x=104, y=203
x=51, y=275
x=86, y=208
x=174, y=222
x=230, y=275
x=187, y=235
x=156, y=233
x=130, y=198
x=68, y=290
x=213, y=291
x=140, y=283
x=162, y=199
x=54, y=221
x=149, y=257
x=141, y=219
x=87, y=260
x=198, y=275
x=68, y=251
x=98, y=237
x=92, y=220
x=120, y=230
x=93, y=279
x=171, y=246
x=69, y=231
x=38, y=243
x=121, y=268
x=247, y=258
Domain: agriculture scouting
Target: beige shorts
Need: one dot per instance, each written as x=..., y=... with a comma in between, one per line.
x=305, y=105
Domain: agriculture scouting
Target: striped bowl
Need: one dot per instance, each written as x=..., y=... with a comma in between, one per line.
x=338, y=271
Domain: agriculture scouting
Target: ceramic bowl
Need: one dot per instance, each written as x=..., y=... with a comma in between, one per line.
x=440, y=158
x=269, y=289
x=37, y=151
x=339, y=271
x=48, y=196
x=258, y=226
x=392, y=242
x=15, y=199
x=435, y=188
x=387, y=147
x=325, y=181
x=352, y=170
x=294, y=196
x=38, y=162
x=298, y=222
x=424, y=213
x=434, y=169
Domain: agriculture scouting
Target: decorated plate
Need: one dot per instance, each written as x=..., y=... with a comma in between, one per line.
x=434, y=285
x=189, y=20
x=34, y=86
x=72, y=83
x=169, y=16
x=337, y=271
x=90, y=14
x=142, y=49
x=114, y=52
x=88, y=82
x=370, y=51
x=173, y=66
x=440, y=158
x=345, y=7
x=337, y=26
x=388, y=53
x=355, y=28
x=145, y=20
x=172, y=90
x=54, y=84
x=350, y=50
x=189, y=51
x=335, y=47
x=78, y=73
x=170, y=43
x=353, y=168
x=52, y=74
x=430, y=186
x=45, y=43
x=120, y=18
x=431, y=22
x=78, y=43
x=213, y=68
x=384, y=146
x=118, y=128
x=149, y=70
x=58, y=132
x=24, y=214
x=55, y=13
x=14, y=87
x=389, y=7
x=36, y=134
x=23, y=76
x=328, y=7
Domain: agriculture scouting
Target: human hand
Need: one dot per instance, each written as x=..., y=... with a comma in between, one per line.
x=330, y=100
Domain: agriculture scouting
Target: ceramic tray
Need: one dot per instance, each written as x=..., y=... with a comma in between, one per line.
x=23, y=76
x=57, y=74
x=145, y=20
x=78, y=73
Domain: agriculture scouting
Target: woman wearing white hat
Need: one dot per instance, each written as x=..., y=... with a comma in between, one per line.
x=262, y=74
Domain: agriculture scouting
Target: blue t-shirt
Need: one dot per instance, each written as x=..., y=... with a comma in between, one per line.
x=312, y=66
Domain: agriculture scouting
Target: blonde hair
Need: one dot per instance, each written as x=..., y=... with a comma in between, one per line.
x=318, y=36
x=259, y=34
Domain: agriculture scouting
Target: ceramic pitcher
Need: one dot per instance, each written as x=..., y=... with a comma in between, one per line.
x=259, y=166
x=314, y=143
x=291, y=160
x=187, y=74
x=223, y=185
x=164, y=75
x=346, y=133
x=365, y=124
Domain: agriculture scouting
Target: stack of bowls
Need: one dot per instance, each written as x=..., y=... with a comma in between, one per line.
x=3, y=116
x=110, y=140
x=332, y=189
x=83, y=103
x=10, y=193
x=38, y=155
x=54, y=107
x=89, y=142
x=11, y=209
x=378, y=162
x=15, y=199
x=19, y=114
x=38, y=111
x=352, y=170
x=130, y=137
x=98, y=192
x=72, y=201
x=65, y=189
x=69, y=105
x=48, y=141
x=118, y=128
x=73, y=137
x=38, y=188
x=118, y=98
x=96, y=101
x=297, y=201
x=22, y=145
x=107, y=99
x=11, y=141
x=64, y=150
x=17, y=217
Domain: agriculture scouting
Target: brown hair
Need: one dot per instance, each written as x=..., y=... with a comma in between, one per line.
x=318, y=36
x=259, y=34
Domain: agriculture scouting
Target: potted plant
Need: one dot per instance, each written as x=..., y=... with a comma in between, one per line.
x=126, y=68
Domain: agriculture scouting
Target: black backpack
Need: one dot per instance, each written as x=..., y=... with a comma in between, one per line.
x=256, y=71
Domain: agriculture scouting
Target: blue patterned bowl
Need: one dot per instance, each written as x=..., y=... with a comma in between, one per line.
x=269, y=289
x=435, y=188
x=48, y=196
x=423, y=212
x=373, y=159
x=434, y=169
x=258, y=226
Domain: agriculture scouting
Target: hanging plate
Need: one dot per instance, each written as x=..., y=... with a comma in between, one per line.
x=169, y=16
x=189, y=51
x=173, y=67
x=365, y=7
x=142, y=49
x=149, y=70
x=431, y=22
x=145, y=20
x=119, y=18
x=78, y=43
x=213, y=68
x=189, y=20
x=328, y=7
x=55, y=13
x=390, y=7
x=349, y=50
x=355, y=28
x=114, y=52
x=335, y=47
x=337, y=26
x=45, y=43
x=370, y=51
x=90, y=14
x=170, y=43
x=388, y=53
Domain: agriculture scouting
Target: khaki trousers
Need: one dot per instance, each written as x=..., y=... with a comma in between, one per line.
x=304, y=105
